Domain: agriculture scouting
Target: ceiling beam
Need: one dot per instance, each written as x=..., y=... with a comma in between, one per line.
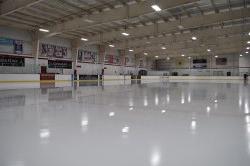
x=10, y=6
x=200, y=34
x=193, y=51
x=211, y=43
x=116, y=14
x=172, y=27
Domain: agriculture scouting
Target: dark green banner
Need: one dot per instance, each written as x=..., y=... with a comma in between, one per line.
x=12, y=61
x=60, y=64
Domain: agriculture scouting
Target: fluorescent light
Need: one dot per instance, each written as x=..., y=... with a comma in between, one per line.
x=163, y=111
x=247, y=52
x=111, y=114
x=249, y=33
x=84, y=122
x=209, y=50
x=43, y=30
x=208, y=109
x=241, y=55
x=111, y=45
x=125, y=34
x=84, y=39
x=183, y=55
x=125, y=129
x=194, y=38
x=131, y=50
x=248, y=42
x=164, y=48
x=44, y=133
x=216, y=56
x=156, y=8
x=248, y=48
x=145, y=53
x=180, y=26
x=156, y=56
x=88, y=21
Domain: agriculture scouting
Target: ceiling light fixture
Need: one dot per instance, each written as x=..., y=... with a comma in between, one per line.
x=180, y=26
x=183, y=55
x=164, y=48
x=194, y=38
x=249, y=33
x=248, y=42
x=247, y=52
x=189, y=57
x=168, y=58
x=156, y=8
x=248, y=48
x=241, y=55
x=208, y=50
x=125, y=34
x=84, y=39
x=131, y=50
x=111, y=45
x=145, y=53
x=216, y=56
x=43, y=30
x=156, y=56
x=88, y=21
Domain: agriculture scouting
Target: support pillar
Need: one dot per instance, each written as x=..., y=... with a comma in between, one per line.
x=75, y=45
x=101, y=57
x=35, y=50
x=137, y=63
x=123, y=60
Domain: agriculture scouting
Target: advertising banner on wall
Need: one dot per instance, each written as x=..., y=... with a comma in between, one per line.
x=53, y=51
x=18, y=46
x=11, y=45
x=112, y=59
x=200, y=63
x=221, y=61
x=141, y=64
x=12, y=61
x=87, y=56
x=59, y=64
x=130, y=60
x=6, y=41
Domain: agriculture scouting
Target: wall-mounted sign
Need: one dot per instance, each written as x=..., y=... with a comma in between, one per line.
x=52, y=51
x=6, y=41
x=16, y=45
x=141, y=63
x=113, y=58
x=87, y=56
x=12, y=61
x=199, y=63
x=221, y=61
x=59, y=64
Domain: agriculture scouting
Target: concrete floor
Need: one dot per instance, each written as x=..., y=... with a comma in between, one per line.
x=153, y=124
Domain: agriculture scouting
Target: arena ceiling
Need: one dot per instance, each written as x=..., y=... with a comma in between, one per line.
x=189, y=27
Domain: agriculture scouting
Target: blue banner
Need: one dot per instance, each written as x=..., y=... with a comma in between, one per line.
x=6, y=41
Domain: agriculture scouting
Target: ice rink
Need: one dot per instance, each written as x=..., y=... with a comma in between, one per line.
x=126, y=124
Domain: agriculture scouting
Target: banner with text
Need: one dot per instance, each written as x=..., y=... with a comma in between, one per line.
x=87, y=56
x=53, y=51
